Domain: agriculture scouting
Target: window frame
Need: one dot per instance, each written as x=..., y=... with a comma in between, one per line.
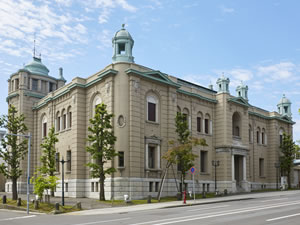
x=153, y=100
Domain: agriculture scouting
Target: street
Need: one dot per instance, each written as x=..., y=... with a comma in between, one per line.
x=280, y=209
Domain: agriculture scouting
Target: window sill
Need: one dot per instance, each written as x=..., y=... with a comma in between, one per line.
x=151, y=122
x=68, y=172
x=236, y=137
x=204, y=173
x=121, y=168
x=153, y=170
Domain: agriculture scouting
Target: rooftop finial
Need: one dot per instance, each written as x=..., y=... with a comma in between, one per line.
x=34, y=46
x=123, y=26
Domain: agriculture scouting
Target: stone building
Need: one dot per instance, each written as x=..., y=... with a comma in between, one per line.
x=244, y=139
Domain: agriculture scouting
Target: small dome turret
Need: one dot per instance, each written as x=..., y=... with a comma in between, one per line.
x=284, y=107
x=223, y=84
x=122, y=44
x=242, y=91
x=37, y=67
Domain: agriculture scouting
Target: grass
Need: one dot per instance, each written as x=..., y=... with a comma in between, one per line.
x=43, y=207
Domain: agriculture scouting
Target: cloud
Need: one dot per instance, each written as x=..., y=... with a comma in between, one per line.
x=225, y=9
x=241, y=74
x=105, y=39
x=281, y=71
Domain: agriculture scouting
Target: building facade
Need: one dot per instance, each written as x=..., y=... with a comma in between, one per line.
x=244, y=139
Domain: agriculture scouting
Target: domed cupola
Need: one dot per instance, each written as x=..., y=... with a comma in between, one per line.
x=284, y=107
x=122, y=44
x=242, y=91
x=37, y=67
x=223, y=84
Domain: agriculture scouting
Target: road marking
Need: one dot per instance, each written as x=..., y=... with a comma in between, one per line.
x=17, y=218
x=105, y=221
x=283, y=217
x=277, y=199
x=210, y=215
x=216, y=207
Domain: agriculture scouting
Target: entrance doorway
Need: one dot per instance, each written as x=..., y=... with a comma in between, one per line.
x=238, y=170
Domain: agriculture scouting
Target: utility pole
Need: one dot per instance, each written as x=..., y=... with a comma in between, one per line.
x=215, y=163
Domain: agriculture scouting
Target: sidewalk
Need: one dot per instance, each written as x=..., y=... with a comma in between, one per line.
x=94, y=207
x=127, y=209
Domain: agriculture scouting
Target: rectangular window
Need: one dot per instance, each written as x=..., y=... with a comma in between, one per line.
x=257, y=137
x=150, y=186
x=57, y=161
x=34, y=84
x=51, y=87
x=263, y=138
x=121, y=159
x=280, y=139
x=44, y=129
x=66, y=187
x=199, y=124
x=151, y=111
x=151, y=157
x=69, y=160
x=206, y=121
x=261, y=167
x=97, y=186
x=156, y=186
x=17, y=84
x=92, y=187
x=203, y=162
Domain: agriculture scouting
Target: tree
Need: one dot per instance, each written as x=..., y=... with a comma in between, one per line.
x=288, y=151
x=48, y=155
x=13, y=148
x=42, y=183
x=102, y=140
x=181, y=151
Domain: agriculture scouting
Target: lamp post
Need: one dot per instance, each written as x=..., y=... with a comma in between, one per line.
x=215, y=163
x=62, y=161
x=277, y=165
x=2, y=134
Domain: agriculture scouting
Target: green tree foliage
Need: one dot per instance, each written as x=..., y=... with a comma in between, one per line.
x=101, y=139
x=14, y=148
x=42, y=183
x=288, y=151
x=181, y=151
x=48, y=155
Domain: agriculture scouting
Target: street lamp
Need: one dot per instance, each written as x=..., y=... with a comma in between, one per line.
x=277, y=165
x=62, y=161
x=2, y=134
x=215, y=163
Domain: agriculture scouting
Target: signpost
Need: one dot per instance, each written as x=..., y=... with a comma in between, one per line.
x=193, y=172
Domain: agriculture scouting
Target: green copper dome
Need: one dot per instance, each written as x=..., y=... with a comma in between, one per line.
x=123, y=33
x=37, y=67
x=284, y=100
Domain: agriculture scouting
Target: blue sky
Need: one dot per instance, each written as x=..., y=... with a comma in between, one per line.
x=257, y=42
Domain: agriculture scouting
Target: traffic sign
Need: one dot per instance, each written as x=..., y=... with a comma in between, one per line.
x=193, y=170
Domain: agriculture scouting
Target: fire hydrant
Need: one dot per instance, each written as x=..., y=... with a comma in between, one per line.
x=184, y=197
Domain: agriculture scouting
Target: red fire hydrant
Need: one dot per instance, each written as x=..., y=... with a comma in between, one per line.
x=184, y=197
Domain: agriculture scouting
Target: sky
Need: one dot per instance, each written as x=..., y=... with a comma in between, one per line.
x=257, y=42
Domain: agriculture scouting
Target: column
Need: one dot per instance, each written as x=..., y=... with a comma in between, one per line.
x=244, y=168
x=146, y=156
x=210, y=127
x=232, y=167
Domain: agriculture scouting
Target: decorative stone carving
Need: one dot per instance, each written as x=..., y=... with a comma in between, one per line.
x=121, y=121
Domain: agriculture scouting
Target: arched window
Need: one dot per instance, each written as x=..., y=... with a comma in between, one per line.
x=186, y=115
x=199, y=122
x=96, y=101
x=258, y=135
x=69, y=117
x=44, y=126
x=207, y=124
x=152, y=108
x=250, y=134
x=263, y=136
x=57, y=124
x=64, y=119
x=236, y=124
x=281, y=131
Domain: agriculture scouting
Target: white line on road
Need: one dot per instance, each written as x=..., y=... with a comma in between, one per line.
x=283, y=217
x=216, y=207
x=210, y=215
x=17, y=218
x=104, y=221
x=277, y=199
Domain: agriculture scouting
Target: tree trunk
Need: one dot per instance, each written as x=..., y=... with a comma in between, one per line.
x=52, y=192
x=14, y=189
x=101, y=194
x=289, y=179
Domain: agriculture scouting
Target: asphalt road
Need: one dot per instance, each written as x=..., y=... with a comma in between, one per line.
x=275, y=210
